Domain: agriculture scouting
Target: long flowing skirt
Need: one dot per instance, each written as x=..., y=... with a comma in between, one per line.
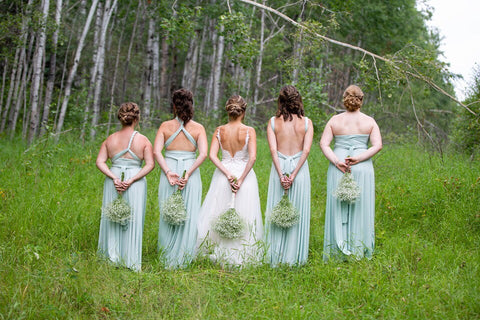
x=289, y=245
x=248, y=249
x=349, y=228
x=123, y=244
x=177, y=243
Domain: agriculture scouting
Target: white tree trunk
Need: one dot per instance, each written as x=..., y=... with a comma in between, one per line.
x=73, y=71
x=164, y=68
x=259, y=62
x=53, y=66
x=218, y=70
x=147, y=93
x=109, y=8
x=13, y=76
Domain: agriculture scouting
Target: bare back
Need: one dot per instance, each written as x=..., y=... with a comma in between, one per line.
x=348, y=123
x=181, y=142
x=233, y=137
x=290, y=135
x=119, y=140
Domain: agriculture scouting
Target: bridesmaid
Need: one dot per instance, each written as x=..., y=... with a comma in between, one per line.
x=349, y=228
x=290, y=136
x=181, y=137
x=127, y=149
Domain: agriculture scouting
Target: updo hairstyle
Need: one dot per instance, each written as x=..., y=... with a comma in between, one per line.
x=128, y=113
x=182, y=100
x=290, y=103
x=353, y=98
x=235, y=106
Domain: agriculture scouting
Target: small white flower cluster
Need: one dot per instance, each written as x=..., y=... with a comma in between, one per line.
x=229, y=225
x=284, y=214
x=118, y=211
x=348, y=189
x=174, y=211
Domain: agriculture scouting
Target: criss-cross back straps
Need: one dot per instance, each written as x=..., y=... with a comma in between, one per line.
x=272, y=123
x=175, y=134
x=121, y=153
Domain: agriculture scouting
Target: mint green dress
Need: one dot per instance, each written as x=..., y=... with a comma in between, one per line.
x=349, y=228
x=123, y=244
x=289, y=245
x=177, y=243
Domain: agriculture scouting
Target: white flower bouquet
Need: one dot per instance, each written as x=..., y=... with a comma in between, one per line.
x=174, y=211
x=285, y=214
x=229, y=224
x=348, y=189
x=118, y=211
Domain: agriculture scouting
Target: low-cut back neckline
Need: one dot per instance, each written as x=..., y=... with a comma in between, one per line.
x=181, y=128
x=236, y=152
x=121, y=153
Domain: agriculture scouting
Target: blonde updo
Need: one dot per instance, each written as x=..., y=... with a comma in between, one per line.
x=353, y=98
x=128, y=113
x=290, y=103
x=235, y=106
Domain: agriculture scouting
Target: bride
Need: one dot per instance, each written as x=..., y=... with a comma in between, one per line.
x=233, y=184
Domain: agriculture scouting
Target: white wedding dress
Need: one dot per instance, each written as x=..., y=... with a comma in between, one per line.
x=248, y=248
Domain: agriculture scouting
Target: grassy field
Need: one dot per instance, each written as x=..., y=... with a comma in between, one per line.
x=426, y=263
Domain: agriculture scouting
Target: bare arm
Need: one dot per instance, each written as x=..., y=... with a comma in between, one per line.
x=252, y=157
x=327, y=137
x=147, y=168
x=376, y=142
x=307, y=144
x=214, y=148
x=157, y=153
x=202, y=145
x=103, y=167
x=272, y=143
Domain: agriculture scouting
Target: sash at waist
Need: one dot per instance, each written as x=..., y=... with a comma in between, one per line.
x=349, y=147
x=289, y=163
x=180, y=155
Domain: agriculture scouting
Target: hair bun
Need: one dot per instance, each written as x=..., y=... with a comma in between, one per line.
x=235, y=106
x=128, y=113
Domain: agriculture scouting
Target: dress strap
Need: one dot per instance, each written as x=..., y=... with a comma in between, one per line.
x=272, y=123
x=306, y=124
x=131, y=139
x=218, y=137
x=176, y=133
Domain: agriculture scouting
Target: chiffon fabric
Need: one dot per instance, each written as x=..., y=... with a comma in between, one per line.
x=248, y=248
x=289, y=245
x=123, y=244
x=177, y=242
x=349, y=228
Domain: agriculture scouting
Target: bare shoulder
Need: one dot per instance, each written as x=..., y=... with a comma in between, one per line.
x=143, y=139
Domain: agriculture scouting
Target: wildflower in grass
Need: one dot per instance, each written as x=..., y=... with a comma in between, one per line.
x=174, y=211
x=285, y=214
x=348, y=189
x=118, y=211
x=229, y=224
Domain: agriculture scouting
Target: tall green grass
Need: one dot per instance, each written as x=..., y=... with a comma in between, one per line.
x=426, y=262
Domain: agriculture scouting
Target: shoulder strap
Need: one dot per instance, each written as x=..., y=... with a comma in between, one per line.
x=175, y=134
x=306, y=124
x=131, y=139
x=272, y=123
x=218, y=137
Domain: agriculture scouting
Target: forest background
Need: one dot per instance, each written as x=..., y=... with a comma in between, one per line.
x=66, y=66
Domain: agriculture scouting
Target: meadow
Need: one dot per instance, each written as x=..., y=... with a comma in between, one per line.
x=426, y=263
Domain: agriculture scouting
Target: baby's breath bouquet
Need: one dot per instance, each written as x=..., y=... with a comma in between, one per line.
x=285, y=214
x=174, y=211
x=118, y=210
x=348, y=189
x=229, y=224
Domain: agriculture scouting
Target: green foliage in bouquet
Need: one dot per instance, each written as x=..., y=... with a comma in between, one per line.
x=174, y=211
x=284, y=214
x=348, y=189
x=118, y=211
x=229, y=225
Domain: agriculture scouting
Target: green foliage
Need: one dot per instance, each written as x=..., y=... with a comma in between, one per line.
x=425, y=264
x=466, y=132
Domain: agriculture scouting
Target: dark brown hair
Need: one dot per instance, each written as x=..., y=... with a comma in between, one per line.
x=352, y=98
x=290, y=103
x=182, y=100
x=128, y=113
x=235, y=106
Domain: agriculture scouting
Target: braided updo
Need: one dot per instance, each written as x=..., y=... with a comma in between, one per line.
x=182, y=100
x=235, y=106
x=353, y=98
x=128, y=113
x=290, y=103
